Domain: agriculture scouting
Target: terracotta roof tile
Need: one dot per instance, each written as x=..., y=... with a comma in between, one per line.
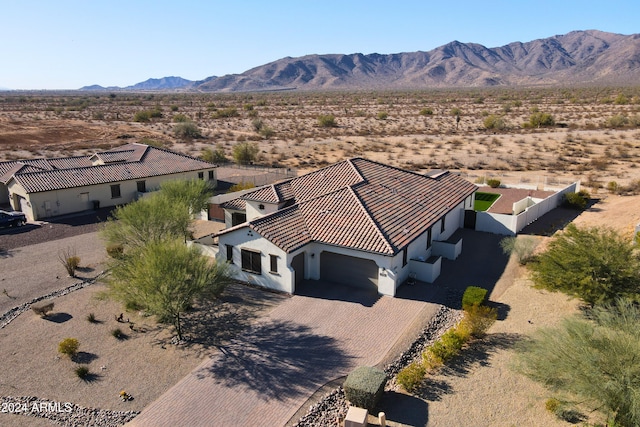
x=143, y=161
x=359, y=204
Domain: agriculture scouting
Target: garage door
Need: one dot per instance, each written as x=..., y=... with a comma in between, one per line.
x=349, y=270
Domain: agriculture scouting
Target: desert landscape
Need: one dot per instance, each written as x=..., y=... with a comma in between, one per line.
x=594, y=136
x=479, y=133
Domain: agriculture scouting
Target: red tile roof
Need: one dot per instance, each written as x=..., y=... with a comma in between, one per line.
x=358, y=204
x=131, y=161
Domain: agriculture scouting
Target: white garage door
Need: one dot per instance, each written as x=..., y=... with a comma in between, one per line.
x=349, y=270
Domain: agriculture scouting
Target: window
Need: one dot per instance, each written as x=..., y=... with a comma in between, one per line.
x=429, y=238
x=200, y=175
x=230, y=253
x=442, y=223
x=142, y=186
x=251, y=261
x=404, y=256
x=238, y=218
x=211, y=176
x=115, y=191
x=273, y=263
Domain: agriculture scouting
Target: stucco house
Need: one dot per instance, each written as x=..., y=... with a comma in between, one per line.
x=356, y=222
x=43, y=188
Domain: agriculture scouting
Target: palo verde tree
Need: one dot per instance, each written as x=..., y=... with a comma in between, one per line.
x=193, y=193
x=591, y=360
x=150, y=219
x=166, y=278
x=596, y=265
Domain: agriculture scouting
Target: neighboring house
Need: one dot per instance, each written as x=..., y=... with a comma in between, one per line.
x=356, y=222
x=44, y=188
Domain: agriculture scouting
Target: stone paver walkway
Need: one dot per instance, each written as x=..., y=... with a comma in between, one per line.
x=264, y=376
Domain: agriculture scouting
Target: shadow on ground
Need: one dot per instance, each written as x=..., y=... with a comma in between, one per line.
x=337, y=292
x=557, y=219
x=481, y=263
x=58, y=317
x=277, y=360
x=214, y=323
x=403, y=409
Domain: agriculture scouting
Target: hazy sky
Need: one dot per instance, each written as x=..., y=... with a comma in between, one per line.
x=67, y=44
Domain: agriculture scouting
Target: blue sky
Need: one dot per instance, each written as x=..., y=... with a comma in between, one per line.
x=67, y=44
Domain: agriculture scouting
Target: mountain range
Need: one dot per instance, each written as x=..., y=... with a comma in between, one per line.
x=578, y=58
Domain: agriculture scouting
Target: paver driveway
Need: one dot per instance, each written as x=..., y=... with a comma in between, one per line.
x=264, y=376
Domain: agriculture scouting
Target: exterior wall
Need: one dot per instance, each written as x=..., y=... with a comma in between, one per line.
x=244, y=238
x=510, y=225
x=254, y=211
x=71, y=200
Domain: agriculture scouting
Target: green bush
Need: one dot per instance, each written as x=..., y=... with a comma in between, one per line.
x=118, y=334
x=552, y=405
x=576, y=200
x=447, y=346
x=426, y=112
x=82, y=372
x=142, y=116
x=42, y=310
x=383, y=115
x=539, y=119
x=411, y=376
x=214, y=156
x=115, y=250
x=495, y=122
x=68, y=346
x=327, y=121
x=187, y=130
x=478, y=319
x=613, y=187
x=617, y=121
x=226, y=113
x=180, y=118
x=493, y=183
x=473, y=296
x=364, y=387
x=523, y=247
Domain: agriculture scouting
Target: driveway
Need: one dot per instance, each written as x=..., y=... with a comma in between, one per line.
x=264, y=376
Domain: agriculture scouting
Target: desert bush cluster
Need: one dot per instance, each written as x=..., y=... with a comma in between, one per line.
x=574, y=133
x=477, y=319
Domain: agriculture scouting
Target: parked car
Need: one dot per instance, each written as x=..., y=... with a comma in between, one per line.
x=12, y=219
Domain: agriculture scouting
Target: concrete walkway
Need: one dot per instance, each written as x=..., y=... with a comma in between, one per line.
x=264, y=376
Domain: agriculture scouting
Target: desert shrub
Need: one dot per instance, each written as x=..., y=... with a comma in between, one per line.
x=455, y=112
x=616, y=121
x=613, y=187
x=245, y=153
x=115, y=250
x=411, y=376
x=82, y=372
x=225, y=113
x=42, y=310
x=575, y=200
x=266, y=132
x=174, y=108
x=118, y=334
x=327, y=121
x=152, y=142
x=214, y=156
x=539, y=119
x=180, y=118
x=68, y=347
x=523, y=247
x=257, y=125
x=493, y=183
x=187, y=130
x=69, y=260
x=495, y=122
x=478, y=319
x=142, y=116
x=473, y=296
x=552, y=405
x=241, y=186
x=91, y=318
x=382, y=115
x=447, y=346
x=426, y=112
x=364, y=386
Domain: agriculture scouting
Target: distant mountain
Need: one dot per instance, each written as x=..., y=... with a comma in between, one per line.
x=579, y=57
x=165, y=83
x=162, y=84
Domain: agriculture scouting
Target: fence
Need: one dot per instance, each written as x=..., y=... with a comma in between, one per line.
x=256, y=175
x=512, y=224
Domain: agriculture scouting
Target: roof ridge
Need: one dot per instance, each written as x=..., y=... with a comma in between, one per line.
x=371, y=220
x=355, y=168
